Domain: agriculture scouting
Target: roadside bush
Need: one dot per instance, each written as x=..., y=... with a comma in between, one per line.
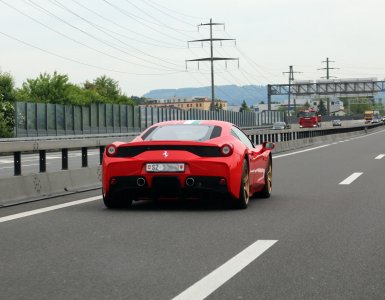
x=7, y=120
x=5, y=131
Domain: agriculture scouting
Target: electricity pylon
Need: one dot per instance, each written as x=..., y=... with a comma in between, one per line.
x=211, y=58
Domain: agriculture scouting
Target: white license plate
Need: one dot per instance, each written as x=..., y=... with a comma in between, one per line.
x=165, y=167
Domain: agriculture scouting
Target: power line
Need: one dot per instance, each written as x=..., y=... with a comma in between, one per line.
x=99, y=28
x=166, y=45
x=166, y=13
x=158, y=21
x=35, y=5
x=76, y=41
x=124, y=12
x=77, y=61
x=244, y=76
x=167, y=8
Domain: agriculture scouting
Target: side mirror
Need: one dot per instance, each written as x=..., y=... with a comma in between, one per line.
x=268, y=145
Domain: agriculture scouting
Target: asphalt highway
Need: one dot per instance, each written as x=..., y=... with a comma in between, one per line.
x=321, y=235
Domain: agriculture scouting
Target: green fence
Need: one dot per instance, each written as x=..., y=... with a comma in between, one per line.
x=43, y=119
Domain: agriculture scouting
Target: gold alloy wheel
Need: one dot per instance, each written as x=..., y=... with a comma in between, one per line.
x=269, y=177
x=246, y=188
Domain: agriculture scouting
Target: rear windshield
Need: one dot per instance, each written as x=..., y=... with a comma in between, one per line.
x=183, y=132
x=307, y=114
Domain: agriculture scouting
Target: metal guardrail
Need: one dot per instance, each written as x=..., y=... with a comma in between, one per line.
x=43, y=144
x=257, y=137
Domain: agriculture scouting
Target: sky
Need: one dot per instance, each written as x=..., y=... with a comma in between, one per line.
x=143, y=44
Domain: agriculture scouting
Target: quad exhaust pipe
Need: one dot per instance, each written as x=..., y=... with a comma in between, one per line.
x=140, y=181
x=190, y=181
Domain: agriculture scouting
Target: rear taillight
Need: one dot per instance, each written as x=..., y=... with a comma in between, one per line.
x=227, y=150
x=111, y=150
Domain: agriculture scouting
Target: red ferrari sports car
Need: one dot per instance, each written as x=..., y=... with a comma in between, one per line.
x=183, y=159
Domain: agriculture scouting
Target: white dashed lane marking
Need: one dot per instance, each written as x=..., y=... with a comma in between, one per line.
x=47, y=209
x=380, y=156
x=351, y=178
x=210, y=283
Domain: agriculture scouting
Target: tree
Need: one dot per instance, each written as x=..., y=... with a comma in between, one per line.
x=7, y=110
x=106, y=87
x=244, y=107
x=80, y=96
x=138, y=100
x=108, y=91
x=123, y=99
x=321, y=108
x=7, y=92
x=359, y=108
x=47, y=89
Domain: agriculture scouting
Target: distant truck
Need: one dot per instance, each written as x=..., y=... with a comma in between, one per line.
x=309, y=118
x=370, y=115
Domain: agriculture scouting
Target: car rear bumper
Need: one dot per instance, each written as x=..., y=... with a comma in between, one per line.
x=161, y=186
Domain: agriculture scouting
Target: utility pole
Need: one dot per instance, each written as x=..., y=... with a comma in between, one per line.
x=211, y=58
x=327, y=61
x=291, y=79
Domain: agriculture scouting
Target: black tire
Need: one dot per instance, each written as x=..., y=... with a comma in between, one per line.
x=244, y=192
x=266, y=192
x=117, y=201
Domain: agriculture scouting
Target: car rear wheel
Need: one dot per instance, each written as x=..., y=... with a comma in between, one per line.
x=266, y=191
x=244, y=193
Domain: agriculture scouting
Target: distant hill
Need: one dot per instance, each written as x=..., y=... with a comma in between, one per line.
x=233, y=94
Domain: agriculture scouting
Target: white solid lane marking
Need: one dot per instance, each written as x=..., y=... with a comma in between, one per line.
x=219, y=276
x=326, y=145
x=351, y=178
x=46, y=209
x=6, y=161
x=9, y=161
x=301, y=151
x=379, y=156
x=30, y=165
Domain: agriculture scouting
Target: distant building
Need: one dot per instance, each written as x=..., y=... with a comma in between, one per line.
x=234, y=108
x=203, y=103
x=334, y=105
x=264, y=107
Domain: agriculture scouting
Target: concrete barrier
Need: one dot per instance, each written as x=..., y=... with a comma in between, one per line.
x=32, y=187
